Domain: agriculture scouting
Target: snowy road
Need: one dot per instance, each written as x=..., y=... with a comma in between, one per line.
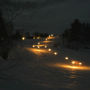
x=26, y=70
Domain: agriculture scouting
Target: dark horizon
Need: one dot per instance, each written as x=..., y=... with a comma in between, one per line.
x=51, y=16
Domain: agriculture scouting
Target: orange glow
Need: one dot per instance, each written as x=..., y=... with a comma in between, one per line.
x=50, y=37
x=70, y=67
x=73, y=62
x=76, y=67
x=76, y=63
x=37, y=51
x=47, y=41
x=40, y=45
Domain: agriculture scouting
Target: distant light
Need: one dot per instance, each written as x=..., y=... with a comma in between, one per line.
x=45, y=46
x=38, y=43
x=23, y=38
x=46, y=39
x=49, y=50
x=38, y=37
x=38, y=47
x=33, y=46
x=80, y=63
x=52, y=35
x=73, y=62
x=33, y=37
x=55, y=53
x=66, y=58
x=76, y=63
x=49, y=36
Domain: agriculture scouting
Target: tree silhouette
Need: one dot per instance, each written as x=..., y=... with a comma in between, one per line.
x=79, y=32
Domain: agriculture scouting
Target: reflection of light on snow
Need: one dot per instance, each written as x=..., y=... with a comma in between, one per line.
x=47, y=41
x=73, y=67
x=37, y=51
x=41, y=45
x=73, y=62
x=50, y=37
x=70, y=67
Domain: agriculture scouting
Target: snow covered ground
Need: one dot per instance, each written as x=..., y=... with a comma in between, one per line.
x=24, y=70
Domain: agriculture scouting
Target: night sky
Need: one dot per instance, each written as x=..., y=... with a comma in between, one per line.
x=53, y=16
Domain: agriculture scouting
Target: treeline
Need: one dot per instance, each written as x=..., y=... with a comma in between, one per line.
x=78, y=34
x=18, y=35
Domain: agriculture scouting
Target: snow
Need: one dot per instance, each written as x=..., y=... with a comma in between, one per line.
x=26, y=71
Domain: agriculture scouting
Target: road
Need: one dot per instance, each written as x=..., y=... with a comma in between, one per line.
x=38, y=68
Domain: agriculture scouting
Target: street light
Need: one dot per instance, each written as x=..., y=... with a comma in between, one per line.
x=49, y=50
x=23, y=38
x=66, y=58
x=55, y=53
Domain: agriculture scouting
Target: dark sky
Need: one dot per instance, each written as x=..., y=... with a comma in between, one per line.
x=53, y=15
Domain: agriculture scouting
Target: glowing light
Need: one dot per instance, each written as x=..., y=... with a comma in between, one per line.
x=38, y=37
x=37, y=51
x=23, y=38
x=45, y=46
x=38, y=47
x=55, y=53
x=33, y=37
x=76, y=63
x=66, y=58
x=76, y=67
x=49, y=50
x=38, y=43
x=52, y=35
x=80, y=63
x=70, y=67
x=33, y=46
x=73, y=62
x=46, y=39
